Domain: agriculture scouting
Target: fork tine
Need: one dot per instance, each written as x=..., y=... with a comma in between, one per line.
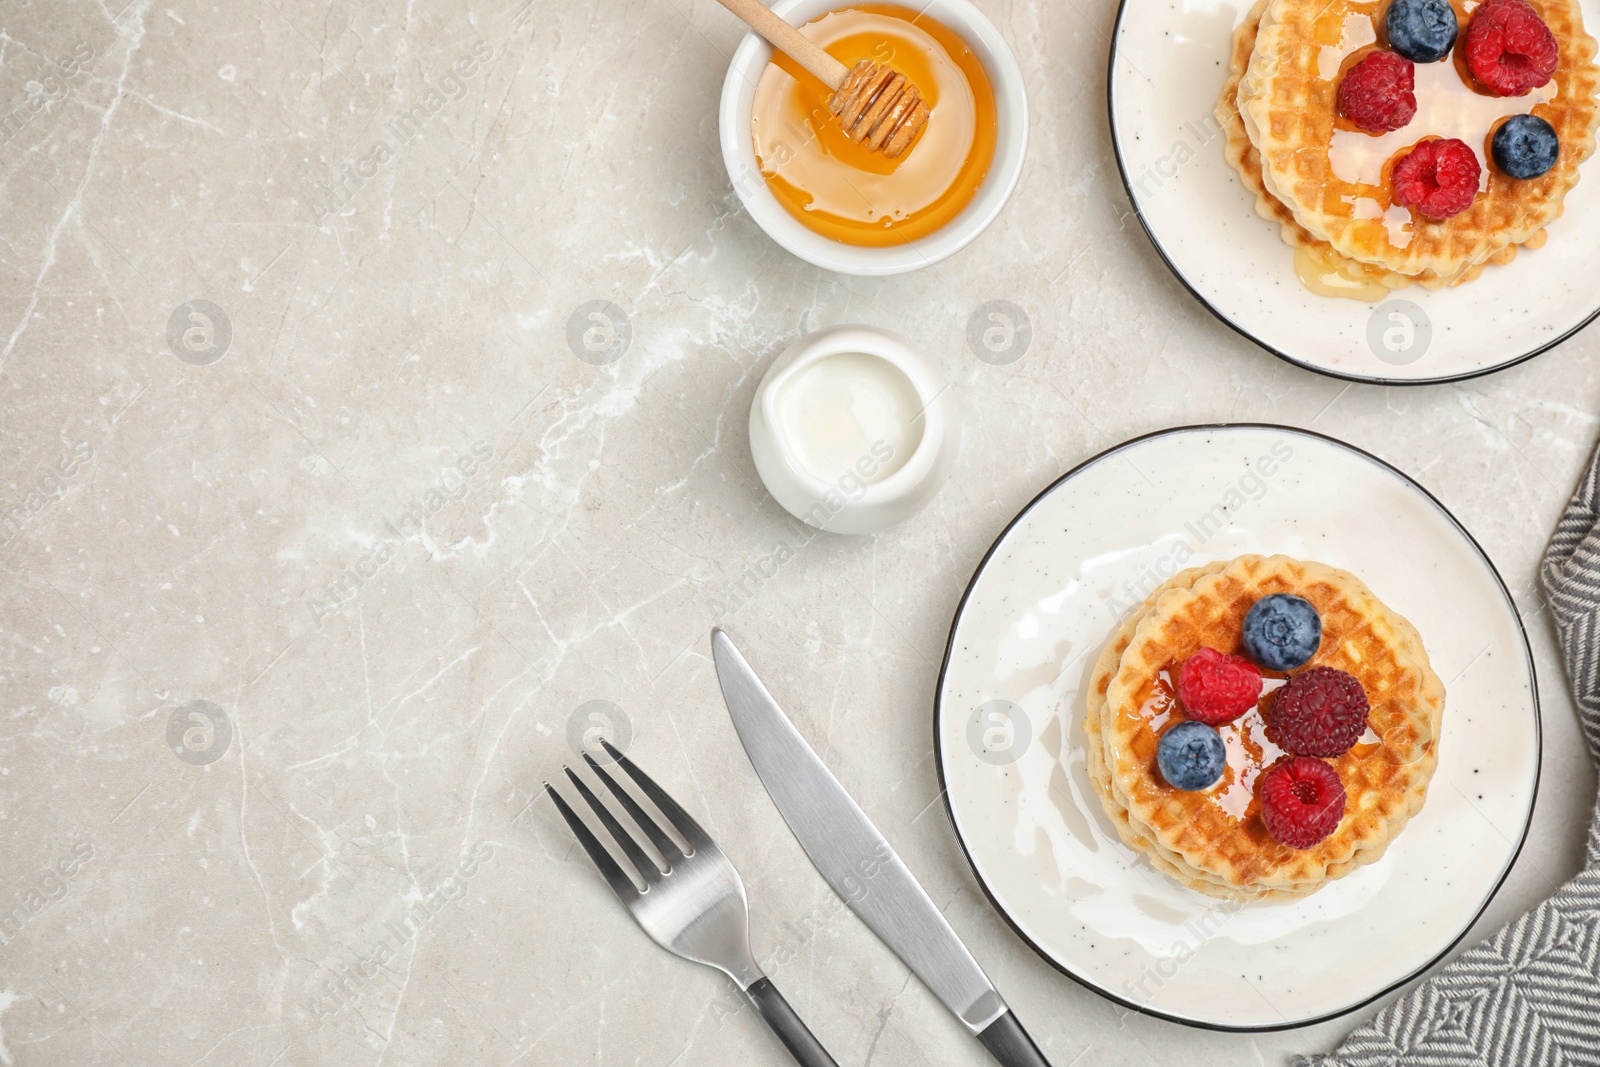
x=646, y=866
x=620, y=883
x=665, y=845
x=679, y=818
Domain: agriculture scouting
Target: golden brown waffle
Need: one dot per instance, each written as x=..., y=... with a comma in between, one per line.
x=1214, y=840
x=1160, y=858
x=1334, y=180
x=1100, y=775
x=1243, y=157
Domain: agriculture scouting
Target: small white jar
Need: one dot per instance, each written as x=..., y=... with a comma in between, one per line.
x=853, y=430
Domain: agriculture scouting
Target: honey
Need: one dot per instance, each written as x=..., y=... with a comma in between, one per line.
x=1249, y=752
x=1317, y=271
x=1449, y=104
x=845, y=191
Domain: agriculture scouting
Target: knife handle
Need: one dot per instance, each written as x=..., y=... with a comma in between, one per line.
x=1010, y=1044
x=806, y=1049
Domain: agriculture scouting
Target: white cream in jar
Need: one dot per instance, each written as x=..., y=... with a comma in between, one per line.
x=852, y=430
x=851, y=412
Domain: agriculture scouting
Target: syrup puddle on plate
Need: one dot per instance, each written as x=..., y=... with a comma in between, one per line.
x=1316, y=270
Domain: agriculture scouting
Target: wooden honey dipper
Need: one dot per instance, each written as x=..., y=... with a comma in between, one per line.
x=877, y=106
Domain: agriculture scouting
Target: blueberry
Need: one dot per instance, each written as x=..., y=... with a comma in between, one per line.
x=1525, y=146
x=1191, y=755
x=1281, y=632
x=1422, y=31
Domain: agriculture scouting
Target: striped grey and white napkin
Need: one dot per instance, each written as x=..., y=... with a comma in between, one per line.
x=1530, y=995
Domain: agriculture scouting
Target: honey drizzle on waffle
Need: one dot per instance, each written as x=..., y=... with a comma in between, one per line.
x=1287, y=102
x=1448, y=105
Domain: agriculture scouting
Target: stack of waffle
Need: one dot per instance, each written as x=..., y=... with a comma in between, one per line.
x=1214, y=840
x=1327, y=187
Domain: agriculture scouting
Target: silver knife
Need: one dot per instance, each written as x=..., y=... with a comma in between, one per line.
x=852, y=856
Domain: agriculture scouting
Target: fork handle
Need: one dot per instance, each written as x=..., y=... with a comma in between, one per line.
x=805, y=1048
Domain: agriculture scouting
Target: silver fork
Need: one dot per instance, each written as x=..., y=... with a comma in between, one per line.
x=696, y=907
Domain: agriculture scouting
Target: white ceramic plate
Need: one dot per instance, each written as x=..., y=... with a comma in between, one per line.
x=1035, y=617
x=1168, y=63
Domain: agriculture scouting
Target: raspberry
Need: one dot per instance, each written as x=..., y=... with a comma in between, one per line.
x=1509, y=49
x=1377, y=93
x=1217, y=688
x=1302, y=801
x=1439, y=178
x=1321, y=712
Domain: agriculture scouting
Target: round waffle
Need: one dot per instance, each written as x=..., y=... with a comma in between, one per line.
x=1242, y=156
x=1100, y=775
x=1334, y=180
x=1160, y=858
x=1214, y=840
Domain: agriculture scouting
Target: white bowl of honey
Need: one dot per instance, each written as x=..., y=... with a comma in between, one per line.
x=841, y=206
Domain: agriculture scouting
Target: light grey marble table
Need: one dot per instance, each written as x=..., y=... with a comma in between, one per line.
x=395, y=536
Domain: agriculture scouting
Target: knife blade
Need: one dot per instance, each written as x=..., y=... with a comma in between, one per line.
x=856, y=860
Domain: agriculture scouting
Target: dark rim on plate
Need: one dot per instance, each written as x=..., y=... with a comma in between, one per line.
x=1371, y=379
x=949, y=651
